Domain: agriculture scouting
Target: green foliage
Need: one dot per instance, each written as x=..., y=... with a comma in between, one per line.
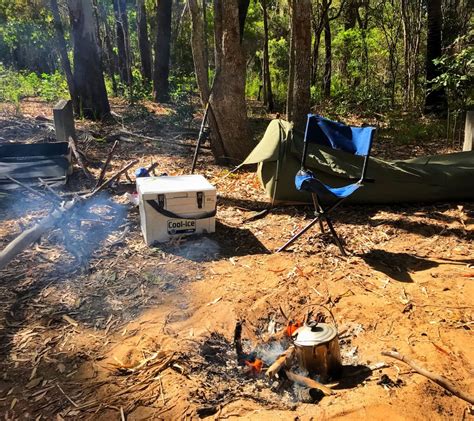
x=17, y=85
x=182, y=94
x=458, y=73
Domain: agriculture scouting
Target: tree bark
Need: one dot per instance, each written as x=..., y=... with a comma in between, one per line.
x=162, y=51
x=62, y=49
x=435, y=100
x=121, y=20
x=326, y=86
x=200, y=59
x=268, y=94
x=228, y=96
x=291, y=66
x=199, y=50
x=301, y=30
x=111, y=61
x=350, y=19
x=88, y=77
x=143, y=41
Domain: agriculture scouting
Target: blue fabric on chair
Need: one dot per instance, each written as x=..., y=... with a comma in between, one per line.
x=355, y=140
x=305, y=180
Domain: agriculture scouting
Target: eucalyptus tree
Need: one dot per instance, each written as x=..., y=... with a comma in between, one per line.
x=88, y=76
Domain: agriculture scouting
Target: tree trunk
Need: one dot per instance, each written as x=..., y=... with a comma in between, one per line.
x=315, y=56
x=88, y=76
x=111, y=57
x=302, y=45
x=162, y=51
x=435, y=101
x=121, y=19
x=143, y=41
x=326, y=87
x=199, y=50
x=62, y=49
x=198, y=44
x=291, y=66
x=228, y=96
x=268, y=99
x=350, y=19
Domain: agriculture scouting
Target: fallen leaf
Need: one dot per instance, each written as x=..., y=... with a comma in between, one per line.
x=214, y=301
x=33, y=383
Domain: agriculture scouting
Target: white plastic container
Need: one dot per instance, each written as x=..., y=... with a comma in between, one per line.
x=175, y=206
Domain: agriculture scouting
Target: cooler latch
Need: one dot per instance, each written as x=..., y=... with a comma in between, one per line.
x=199, y=197
x=161, y=201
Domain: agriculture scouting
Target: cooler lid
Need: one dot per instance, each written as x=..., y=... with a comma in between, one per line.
x=173, y=184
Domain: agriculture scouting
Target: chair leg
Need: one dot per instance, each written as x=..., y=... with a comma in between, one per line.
x=336, y=237
x=299, y=234
x=318, y=210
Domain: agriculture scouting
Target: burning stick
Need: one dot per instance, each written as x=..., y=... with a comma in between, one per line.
x=238, y=341
x=281, y=361
x=254, y=367
x=309, y=383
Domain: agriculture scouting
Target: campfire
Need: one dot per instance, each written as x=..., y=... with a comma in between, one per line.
x=303, y=354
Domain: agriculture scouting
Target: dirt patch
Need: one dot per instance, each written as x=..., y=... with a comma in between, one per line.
x=97, y=324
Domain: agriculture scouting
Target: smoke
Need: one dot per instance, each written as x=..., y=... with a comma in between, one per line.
x=81, y=231
x=269, y=352
x=201, y=249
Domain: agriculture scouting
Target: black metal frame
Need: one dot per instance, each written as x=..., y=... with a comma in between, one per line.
x=321, y=214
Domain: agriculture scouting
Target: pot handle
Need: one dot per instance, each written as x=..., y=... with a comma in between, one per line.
x=327, y=310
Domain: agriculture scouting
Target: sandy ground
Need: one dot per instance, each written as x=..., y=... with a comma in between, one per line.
x=96, y=325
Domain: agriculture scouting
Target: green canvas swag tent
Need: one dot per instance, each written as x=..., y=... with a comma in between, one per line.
x=437, y=178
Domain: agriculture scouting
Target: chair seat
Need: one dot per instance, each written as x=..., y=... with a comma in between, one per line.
x=306, y=181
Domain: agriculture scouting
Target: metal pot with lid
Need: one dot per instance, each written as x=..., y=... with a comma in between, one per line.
x=317, y=348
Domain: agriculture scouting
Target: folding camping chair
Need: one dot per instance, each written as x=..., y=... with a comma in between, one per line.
x=353, y=140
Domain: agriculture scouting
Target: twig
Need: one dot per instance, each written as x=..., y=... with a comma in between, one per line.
x=66, y=396
x=111, y=179
x=162, y=391
x=72, y=144
x=438, y=379
x=281, y=361
x=310, y=383
x=106, y=164
x=122, y=415
x=48, y=187
x=32, y=191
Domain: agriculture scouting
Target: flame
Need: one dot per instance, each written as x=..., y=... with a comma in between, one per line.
x=255, y=366
x=292, y=327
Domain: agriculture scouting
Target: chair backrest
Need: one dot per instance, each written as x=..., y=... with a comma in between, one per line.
x=354, y=140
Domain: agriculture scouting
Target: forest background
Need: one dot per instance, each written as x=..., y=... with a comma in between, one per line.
x=371, y=58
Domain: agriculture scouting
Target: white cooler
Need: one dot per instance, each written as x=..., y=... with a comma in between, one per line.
x=175, y=206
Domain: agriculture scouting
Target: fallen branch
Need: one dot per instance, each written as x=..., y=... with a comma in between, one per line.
x=32, y=234
x=309, y=383
x=438, y=379
x=48, y=187
x=72, y=145
x=106, y=164
x=32, y=191
x=123, y=137
x=281, y=361
x=112, y=179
